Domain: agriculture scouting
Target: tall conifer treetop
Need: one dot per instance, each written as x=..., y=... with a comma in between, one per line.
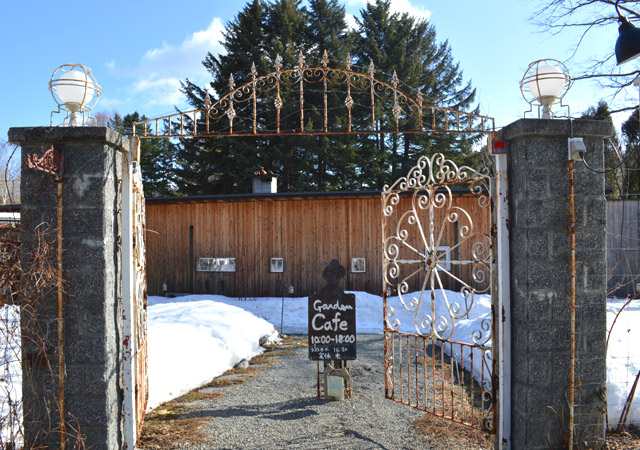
x=395, y=43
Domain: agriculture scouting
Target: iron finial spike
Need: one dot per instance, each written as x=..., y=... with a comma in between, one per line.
x=325, y=59
x=207, y=101
x=348, y=62
x=394, y=79
x=372, y=69
x=278, y=62
x=254, y=72
x=300, y=60
x=232, y=82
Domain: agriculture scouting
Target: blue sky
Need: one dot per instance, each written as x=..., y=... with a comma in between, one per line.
x=139, y=51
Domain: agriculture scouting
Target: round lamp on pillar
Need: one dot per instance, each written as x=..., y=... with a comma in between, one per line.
x=76, y=91
x=628, y=43
x=544, y=84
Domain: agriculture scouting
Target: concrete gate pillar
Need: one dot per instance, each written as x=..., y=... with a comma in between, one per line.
x=91, y=398
x=539, y=229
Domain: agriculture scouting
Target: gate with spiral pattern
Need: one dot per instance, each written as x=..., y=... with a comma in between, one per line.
x=274, y=104
x=437, y=266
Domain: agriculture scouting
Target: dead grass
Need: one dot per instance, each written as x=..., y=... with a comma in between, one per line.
x=445, y=434
x=224, y=382
x=195, y=396
x=164, y=428
x=624, y=440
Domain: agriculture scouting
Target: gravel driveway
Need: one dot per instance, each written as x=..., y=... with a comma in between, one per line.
x=279, y=409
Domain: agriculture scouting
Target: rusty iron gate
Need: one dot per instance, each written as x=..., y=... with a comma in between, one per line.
x=255, y=108
x=437, y=266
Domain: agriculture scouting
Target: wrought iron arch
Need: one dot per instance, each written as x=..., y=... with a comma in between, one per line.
x=268, y=96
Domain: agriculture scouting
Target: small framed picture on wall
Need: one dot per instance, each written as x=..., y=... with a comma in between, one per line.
x=276, y=265
x=358, y=265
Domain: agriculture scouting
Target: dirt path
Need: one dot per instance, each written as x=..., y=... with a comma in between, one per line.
x=276, y=407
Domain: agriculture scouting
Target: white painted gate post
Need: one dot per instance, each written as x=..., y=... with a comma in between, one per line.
x=129, y=340
x=504, y=303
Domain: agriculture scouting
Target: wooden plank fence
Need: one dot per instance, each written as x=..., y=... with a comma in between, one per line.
x=306, y=230
x=623, y=248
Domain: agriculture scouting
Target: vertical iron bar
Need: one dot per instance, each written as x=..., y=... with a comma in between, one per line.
x=301, y=99
x=348, y=106
x=473, y=386
x=462, y=383
x=433, y=119
x=400, y=365
x=442, y=390
x=482, y=385
x=424, y=371
x=452, y=388
x=408, y=371
x=324, y=79
x=433, y=375
x=416, y=364
x=373, y=109
x=393, y=365
x=181, y=124
x=255, y=112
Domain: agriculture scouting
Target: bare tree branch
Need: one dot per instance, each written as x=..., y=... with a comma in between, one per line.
x=557, y=16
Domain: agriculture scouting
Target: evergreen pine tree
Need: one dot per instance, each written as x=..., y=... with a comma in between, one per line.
x=263, y=30
x=157, y=157
x=613, y=178
x=631, y=139
x=400, y=43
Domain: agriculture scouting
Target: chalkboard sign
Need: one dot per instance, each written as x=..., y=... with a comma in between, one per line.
x=332, y=319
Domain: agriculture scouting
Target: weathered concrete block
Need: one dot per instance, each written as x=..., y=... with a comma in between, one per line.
x=90, y=197
x=541, y=277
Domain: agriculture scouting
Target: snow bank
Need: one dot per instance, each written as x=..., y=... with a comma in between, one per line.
x=192, y=340
x=623, y=359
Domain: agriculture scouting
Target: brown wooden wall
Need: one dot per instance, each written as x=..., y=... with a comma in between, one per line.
x=307, y=231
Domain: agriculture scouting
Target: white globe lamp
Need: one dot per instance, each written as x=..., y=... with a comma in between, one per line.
x=76, y=91
x=544, y=84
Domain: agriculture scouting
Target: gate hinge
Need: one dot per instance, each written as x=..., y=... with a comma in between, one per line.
x=51, y=162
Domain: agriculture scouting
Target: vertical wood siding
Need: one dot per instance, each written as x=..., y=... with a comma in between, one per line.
x=306, y=231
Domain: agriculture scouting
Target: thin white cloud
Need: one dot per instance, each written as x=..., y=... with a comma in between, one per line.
x=402, y=6
x=185, y=59
x=397, y=6
x=156, y=78
x=159, y=91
